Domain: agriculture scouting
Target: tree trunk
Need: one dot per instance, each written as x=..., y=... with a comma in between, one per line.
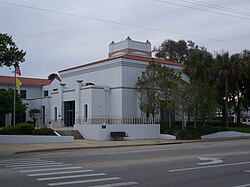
x=226, y=101
x=169, y=120
x=183, y=121
x=238, y=105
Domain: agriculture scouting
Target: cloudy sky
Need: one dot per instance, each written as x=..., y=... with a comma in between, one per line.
x=58, y=34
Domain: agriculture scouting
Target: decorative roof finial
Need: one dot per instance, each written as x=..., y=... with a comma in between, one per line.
x=128, y=38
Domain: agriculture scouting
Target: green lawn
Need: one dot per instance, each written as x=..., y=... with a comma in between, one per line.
x=240, y=129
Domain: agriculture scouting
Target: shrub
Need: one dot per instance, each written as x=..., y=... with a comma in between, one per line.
x=187, y=135
x=18, y=129
x=43, y=131
x=23, y=129
x=6, y=131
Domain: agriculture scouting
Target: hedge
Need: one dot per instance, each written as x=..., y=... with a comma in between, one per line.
x=25, y=129
x=44, y=131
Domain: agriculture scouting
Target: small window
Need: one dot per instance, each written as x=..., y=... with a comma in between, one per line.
x=55, y=89
x=86, y=112
x=46, y=93
x=23, y=94
x=55, y=114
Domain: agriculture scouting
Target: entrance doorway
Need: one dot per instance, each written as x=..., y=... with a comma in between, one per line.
x=69, y=113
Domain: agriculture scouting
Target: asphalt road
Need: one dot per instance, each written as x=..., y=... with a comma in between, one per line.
x=221, y=163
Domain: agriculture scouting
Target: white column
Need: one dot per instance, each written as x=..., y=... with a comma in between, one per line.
x=62, y=104
x=78, y=102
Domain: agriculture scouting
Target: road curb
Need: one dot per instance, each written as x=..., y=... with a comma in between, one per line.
x=132, y=145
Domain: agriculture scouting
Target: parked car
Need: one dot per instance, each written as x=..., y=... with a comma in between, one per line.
x=246, y=122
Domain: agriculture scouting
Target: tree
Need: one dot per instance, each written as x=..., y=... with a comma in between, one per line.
x=53, y=76
x=10, y=55
x=205, y=98
x=199, y=69
x=183, y=100
x=199, y=63
x=32, y=114
x=7, y=100
x=240, y=75
x=155, y=89
x=223, y=72
x=174, y=51
x=168, y=80
x=147, y=88
x=246, y=58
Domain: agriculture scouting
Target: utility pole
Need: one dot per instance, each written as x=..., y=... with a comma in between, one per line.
x=14, y=108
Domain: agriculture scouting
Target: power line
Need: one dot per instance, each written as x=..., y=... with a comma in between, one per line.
x=121, y=23
x=204, y=10
x=218, y=7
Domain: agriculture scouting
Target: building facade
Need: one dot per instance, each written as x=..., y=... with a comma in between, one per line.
x=97, y=93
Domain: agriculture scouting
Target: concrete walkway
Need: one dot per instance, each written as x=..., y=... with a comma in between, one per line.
x=10, y=149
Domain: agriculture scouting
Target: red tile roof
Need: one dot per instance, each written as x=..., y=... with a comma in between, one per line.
x=25, y=81
x=127, y=56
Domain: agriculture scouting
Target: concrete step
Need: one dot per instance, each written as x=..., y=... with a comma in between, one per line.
x=75, y=133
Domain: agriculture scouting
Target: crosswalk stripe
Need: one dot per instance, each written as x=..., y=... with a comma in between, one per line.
x=35, y=164
x=24, y=161
x=46, y=166
x=58, y=173
x=71, y=176
x=50, y=169
x=116, y=184
x=21, y=159
x=83, y=181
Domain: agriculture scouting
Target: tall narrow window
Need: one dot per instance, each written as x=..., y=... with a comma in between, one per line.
x=55, y=114
x=23, y=94
x=46, y=93
x=86, y=112
x=43, y=114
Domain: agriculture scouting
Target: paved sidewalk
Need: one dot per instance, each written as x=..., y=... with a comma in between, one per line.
x=9, y=149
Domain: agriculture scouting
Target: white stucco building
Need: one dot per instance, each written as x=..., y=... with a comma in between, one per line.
x=97, y=97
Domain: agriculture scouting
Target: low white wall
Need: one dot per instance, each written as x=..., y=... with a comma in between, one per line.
x=20, y=139
x=102, y=132
x=167, y=137
x=225, y=134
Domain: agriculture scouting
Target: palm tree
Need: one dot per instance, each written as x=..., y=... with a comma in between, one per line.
x=239, y=76
x=223, y=74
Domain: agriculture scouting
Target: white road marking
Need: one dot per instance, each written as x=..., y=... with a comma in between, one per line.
x=116, y=184
x=71, y=176
x=205, y=167
x=24, y=159
x=30, y=164
x=247, y=171
x=24, y=162
x=49, y=169
x=83, y=181
x=244, y=185
x=209, y=160
x=44, y=166
x=58, y=173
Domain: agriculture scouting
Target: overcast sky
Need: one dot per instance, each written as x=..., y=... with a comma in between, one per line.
x=58, y=34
